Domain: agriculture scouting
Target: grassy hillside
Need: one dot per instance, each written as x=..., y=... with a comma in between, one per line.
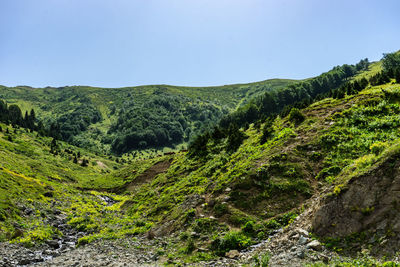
x=133, y=118
x=37, y=187
x=250, y=182
x=242, y=197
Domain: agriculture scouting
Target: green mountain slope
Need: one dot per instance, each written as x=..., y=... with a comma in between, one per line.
x=326, y=164
x=133, y=118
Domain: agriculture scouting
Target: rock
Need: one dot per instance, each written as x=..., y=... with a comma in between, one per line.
x=202, y=250
x=324, y=258
x=228, y=189
x=301, y=254
x=53, y=244
x=315, y=245
x=194, y=235
x=303, y=240
x=25, y=261
x=232, y=254
x=226, y=198
x=302, y=232
x=295, y=236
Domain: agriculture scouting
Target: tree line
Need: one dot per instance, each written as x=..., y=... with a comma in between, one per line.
x=12, y=114
x=271, y=104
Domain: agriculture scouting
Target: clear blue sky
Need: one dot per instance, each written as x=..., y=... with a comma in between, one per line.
x=114, y=43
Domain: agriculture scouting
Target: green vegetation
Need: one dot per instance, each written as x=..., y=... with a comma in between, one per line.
x=244, y=178
x=121, y=120
x=272, y=103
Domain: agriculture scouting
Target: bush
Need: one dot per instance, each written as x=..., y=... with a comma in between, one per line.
x=190, y=246
x=248, y=228
x=232, y=240
x=296, y=116
x=378, y=147
x=220, y=209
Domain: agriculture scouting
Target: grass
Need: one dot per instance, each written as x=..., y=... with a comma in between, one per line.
x=235, y=197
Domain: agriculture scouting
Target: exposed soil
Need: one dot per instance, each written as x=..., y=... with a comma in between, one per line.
x=101, y=164
x=148, y=175
x=145, y=177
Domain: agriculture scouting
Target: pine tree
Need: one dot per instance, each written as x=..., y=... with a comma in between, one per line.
x=84, y=163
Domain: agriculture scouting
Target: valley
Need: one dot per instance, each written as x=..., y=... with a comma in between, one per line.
x=274, y=173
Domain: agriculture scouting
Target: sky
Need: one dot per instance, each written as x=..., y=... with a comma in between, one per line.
x=117, y=43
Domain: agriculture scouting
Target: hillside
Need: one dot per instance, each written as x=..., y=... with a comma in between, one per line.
x=120, y=120
x=314, y=181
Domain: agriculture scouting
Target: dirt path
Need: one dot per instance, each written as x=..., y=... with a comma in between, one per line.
x=148, y=175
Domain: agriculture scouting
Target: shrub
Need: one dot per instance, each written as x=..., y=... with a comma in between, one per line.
x=378, y=147
x=190, y=246
x=232, y=240
x=220, y=209
x=205, y=225
x=296, y=116
x=248, y=228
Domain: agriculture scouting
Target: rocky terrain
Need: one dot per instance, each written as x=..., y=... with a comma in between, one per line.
x=291, y=246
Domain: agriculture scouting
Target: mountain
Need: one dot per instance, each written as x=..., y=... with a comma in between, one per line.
x=307, y=173
x=121, y=120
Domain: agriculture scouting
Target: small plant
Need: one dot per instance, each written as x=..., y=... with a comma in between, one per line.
x=220, y=209
x=184, y=236
x=190, y=246
x=249, y=228
x=367, y=210
x=337, y=190
x=261, y=260
x=378, y=147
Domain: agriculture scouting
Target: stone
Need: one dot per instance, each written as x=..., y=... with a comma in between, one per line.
x=194, y=235
x=202, y=250
x=315, y=245
x=303, y=240
x=324, y=258
x=301, y=254
x=232, y=254
x=53, y=244
x=295, y=236
x=302, y=232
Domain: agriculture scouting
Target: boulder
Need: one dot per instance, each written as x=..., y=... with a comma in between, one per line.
x=232, y=254
x=315, y=245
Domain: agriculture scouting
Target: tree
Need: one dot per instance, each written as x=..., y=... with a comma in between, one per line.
x=235, y=138
x=15, y=114
x=53, y=146
x=397, y=75
x=391, y=62
x=84, y=163
x=296, y=116
x=267, y=130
